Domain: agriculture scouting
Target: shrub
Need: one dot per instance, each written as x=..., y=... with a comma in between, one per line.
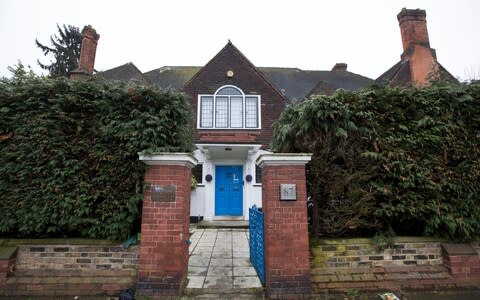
x=401, y=159
x=69, y=163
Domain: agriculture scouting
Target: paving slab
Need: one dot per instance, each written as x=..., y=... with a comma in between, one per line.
x=246, y=282
x=241, y=254
x=195, y=282
x=198, y=261
x=244, y=271
x=220, y=261
x=218, y=282
x=220, y=271
x=197, y=271
x=242, y=262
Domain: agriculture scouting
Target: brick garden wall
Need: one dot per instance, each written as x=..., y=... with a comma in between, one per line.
x=65, y=271
x=355, y=253
x=76, y=257
x=412, y=264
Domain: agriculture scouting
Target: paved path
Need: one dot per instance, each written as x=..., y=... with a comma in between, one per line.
x=219, y=259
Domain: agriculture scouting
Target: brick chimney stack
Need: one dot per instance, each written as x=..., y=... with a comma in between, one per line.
x=416, y=46
x=418, y=64
x=87, y=54
x=340, y=67
x=413, y=27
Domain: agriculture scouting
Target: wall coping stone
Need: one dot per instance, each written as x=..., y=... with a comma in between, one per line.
x=171, y=159
x=459, y=249
x=58, y=241
x=282, y=159
x=7, y=252
x=400, y=239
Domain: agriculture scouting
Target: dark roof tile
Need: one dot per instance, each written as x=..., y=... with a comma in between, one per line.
x=295, y=84
x=323, y=88
x=171, y=77
x=126, y=72
x=398, y=75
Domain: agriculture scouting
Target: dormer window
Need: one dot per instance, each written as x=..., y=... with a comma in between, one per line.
x=228, y=108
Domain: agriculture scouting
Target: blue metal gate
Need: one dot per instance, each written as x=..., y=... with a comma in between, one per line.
x=257, y=253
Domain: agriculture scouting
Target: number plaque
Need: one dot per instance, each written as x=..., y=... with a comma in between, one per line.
x=288, y=192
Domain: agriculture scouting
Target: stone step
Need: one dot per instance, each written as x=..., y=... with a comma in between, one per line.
x=239, y=224
x=229, y=296
x=221, y=293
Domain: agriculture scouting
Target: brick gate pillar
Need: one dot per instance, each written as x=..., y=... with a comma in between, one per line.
x=287, y=264
x=163, y=261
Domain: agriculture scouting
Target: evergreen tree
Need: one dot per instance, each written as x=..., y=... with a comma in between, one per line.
x=65, y=48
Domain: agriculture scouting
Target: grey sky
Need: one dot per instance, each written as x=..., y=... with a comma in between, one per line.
x=311, y=35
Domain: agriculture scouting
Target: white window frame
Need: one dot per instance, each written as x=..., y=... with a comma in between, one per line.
x=259, y=113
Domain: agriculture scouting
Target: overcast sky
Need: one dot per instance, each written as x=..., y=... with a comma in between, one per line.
x=311, y=35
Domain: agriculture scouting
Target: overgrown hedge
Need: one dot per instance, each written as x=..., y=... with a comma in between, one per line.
x=390, y=160
x=69, y=163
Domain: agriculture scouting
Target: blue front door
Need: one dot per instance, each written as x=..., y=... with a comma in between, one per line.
x=228, y=191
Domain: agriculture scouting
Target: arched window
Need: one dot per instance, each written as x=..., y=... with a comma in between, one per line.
x=228, y=108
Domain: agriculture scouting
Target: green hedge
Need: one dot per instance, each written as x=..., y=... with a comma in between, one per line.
x=401, y=160
x=69, y=163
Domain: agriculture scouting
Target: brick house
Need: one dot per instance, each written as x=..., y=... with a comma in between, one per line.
x=235, y=104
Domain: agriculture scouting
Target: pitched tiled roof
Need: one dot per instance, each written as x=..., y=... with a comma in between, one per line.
x=293, y=83
x=171, y=77
x=400, y=75
x=323, y=88
x=296, y=84
x=126, y=72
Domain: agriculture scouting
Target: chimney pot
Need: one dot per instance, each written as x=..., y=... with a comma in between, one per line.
x=340, y=67
x=413, y=27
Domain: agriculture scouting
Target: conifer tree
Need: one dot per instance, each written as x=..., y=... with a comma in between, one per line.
x=65, y=48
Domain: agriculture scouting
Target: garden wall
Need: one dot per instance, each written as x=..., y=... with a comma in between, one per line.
x=71, y=270
x=361, y=252
x=76, y=257
x=412, y=263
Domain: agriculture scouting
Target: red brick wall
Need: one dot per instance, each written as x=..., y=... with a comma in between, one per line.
x=463, y=266
x=287, y=266
x=246, y=77
x=6, y=266
x=162, y=269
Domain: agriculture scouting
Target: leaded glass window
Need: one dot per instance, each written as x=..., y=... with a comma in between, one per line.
x=251, y=112
x=228, y=108
x=206, y=112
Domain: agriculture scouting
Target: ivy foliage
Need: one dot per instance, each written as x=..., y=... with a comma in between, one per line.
x=401, y=160
x=69, y=163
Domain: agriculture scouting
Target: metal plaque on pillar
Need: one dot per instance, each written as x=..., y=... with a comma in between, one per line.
x=161, y=193
x=288, y=192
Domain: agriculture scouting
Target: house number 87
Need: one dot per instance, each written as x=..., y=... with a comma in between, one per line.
x=288, y=192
